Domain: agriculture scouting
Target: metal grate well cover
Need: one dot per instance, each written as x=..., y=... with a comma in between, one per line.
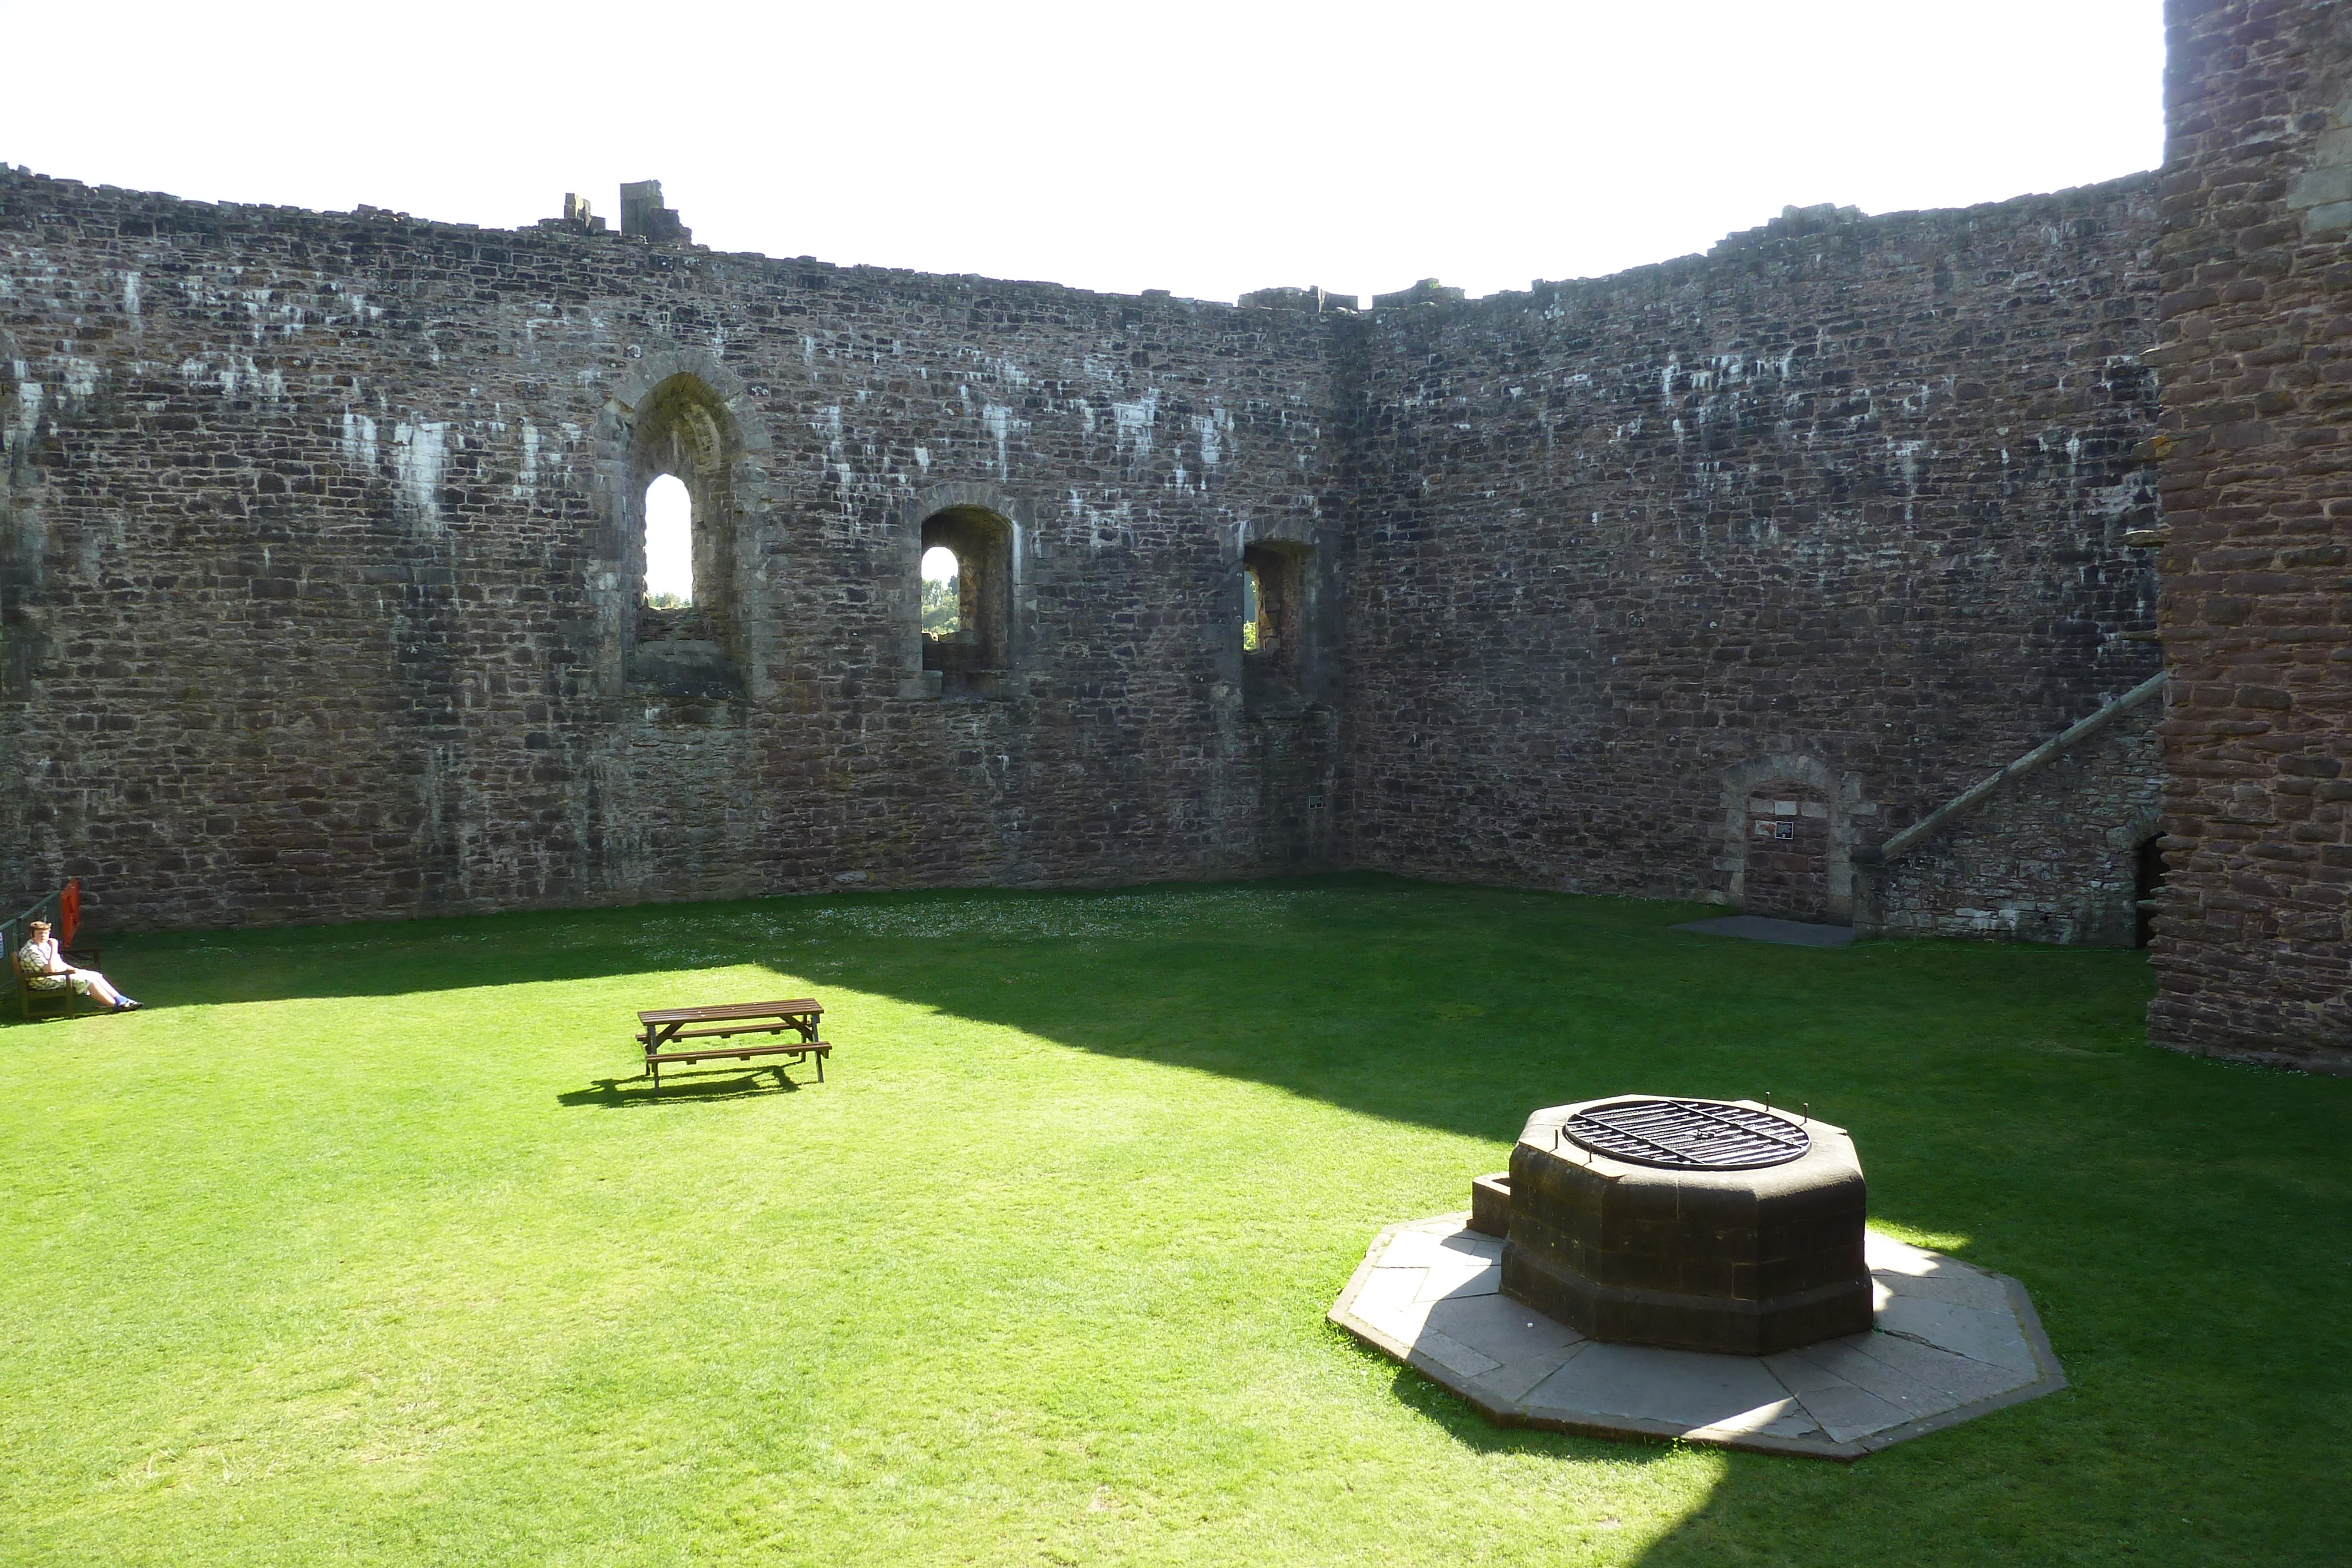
x=1689, y=1135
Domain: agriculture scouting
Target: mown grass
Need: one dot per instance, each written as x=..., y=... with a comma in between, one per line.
x=363, y=1246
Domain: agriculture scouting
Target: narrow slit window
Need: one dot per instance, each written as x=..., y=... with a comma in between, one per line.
x=942, y=611
x=669, y=544
x=1252, y=602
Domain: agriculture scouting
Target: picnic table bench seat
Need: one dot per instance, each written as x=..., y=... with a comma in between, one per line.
x=658, y=1027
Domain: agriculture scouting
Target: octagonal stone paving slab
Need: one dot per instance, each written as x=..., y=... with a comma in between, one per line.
x=1951, y=1342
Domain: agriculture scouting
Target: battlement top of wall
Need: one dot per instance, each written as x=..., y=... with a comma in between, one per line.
x=115, y=212
x=1312, y=298
x=647, y=222
x=1428, y=291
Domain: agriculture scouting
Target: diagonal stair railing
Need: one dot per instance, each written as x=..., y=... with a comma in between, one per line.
x=2041, y=756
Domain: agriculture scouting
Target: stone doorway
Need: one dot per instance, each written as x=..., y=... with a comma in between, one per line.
x=2148, y=889
x=1787, y=875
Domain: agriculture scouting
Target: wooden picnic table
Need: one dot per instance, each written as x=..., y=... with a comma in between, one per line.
x=658, y=1027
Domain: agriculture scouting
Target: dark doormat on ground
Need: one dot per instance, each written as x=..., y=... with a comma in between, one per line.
x=1758, y=928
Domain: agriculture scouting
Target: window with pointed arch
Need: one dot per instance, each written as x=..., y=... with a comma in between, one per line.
x=679, y=514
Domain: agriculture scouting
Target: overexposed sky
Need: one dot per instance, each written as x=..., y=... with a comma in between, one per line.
x=1206, y=148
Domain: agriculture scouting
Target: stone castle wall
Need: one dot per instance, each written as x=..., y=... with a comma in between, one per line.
x=323, y=552
x=2254, y=947
x=322, y=598
x=321, y=547
x=2053, y=856
x=1842, y=504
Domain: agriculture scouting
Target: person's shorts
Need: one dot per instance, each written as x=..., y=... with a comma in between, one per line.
x=50, y=985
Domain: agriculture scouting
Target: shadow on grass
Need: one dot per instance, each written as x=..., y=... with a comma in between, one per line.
x=1472, y=1431
x=630, y=1094
x=2001, y=1092
x=29, y=1025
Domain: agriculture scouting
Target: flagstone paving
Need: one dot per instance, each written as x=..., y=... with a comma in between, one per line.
x=1952, y=1342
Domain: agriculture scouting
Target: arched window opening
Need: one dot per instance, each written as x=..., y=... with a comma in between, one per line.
x=678, y=523
x=974, y=653
x=669, y=544
x=941, y=577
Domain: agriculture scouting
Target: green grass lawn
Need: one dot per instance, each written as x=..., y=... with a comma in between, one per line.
x=365, y=1245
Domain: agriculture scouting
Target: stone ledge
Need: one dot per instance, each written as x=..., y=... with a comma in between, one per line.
x=1952, y=1342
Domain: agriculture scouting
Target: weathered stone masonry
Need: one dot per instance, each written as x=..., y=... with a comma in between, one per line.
x=1838, y=510
x=327, y=545
x=323, y=550
x=324, y=554
x=2254, y=949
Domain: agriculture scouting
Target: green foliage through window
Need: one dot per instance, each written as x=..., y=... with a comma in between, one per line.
x=939, y=617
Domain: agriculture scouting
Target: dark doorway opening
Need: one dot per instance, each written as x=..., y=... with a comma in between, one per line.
x=2148, y=889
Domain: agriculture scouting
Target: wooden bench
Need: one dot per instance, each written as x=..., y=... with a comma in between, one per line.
x=658, y=1027
x=63, y=1002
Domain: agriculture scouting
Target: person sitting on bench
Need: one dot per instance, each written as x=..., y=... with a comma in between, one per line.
x=44, y=971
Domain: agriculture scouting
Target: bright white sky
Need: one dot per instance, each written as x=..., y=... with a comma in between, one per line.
x=1206, y=148
x=670, y=538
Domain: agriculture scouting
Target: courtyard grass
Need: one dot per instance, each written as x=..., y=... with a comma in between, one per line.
x=364, y=1245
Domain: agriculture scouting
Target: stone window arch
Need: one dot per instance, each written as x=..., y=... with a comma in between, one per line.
x=974, y=658
x=682, y=429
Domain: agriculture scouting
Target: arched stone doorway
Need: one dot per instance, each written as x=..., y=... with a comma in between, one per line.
x=2147, y=888
x=1787, y=849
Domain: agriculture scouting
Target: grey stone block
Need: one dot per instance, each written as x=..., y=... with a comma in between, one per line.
x=1839, y=1399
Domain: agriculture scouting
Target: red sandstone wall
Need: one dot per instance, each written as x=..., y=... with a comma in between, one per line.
x=315, y=583
x=1843, y=501
x=2254, y=950
x=318, y=583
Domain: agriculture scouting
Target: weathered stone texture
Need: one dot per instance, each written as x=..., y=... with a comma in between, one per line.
x=322, y=562
x=2252, y=946
x=322, y=592
x=2048, y=857
x=1839, y=506
x=320, y=550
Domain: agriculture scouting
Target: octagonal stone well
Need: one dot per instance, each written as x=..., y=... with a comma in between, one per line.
x=1745, y=1261
x=1741, y=1303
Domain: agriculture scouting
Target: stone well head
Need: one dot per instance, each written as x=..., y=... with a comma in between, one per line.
x=1699, y=1224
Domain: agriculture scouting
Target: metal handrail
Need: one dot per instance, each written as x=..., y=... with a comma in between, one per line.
x=2048, y=751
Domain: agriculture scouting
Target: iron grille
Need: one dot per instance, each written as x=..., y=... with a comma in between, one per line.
x=1689, y=1135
